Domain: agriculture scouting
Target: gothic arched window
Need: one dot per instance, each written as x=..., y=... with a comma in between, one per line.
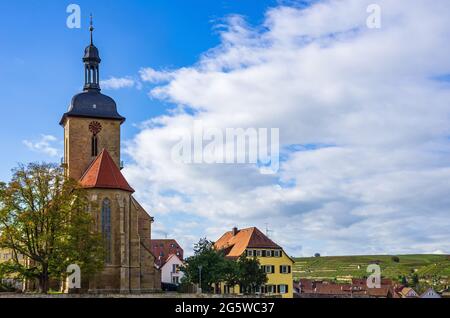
x=106, y=228
x=94, y=146
x=95, y=128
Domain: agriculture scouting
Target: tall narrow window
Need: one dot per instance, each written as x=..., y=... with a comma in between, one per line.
x=94, y=145
x=95, y=128
x=106, y=228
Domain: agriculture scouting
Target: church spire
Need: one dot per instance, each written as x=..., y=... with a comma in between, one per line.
x=91, y=29
x=91, y=62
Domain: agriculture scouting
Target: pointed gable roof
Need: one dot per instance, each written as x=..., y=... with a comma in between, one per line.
x=235, y=243
x=104, y=173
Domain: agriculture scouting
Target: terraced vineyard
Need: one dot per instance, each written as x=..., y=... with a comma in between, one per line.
x=343, y=268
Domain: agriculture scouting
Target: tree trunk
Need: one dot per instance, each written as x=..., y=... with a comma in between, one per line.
x=44, y=281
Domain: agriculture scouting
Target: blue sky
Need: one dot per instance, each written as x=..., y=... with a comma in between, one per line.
x=41, y=66
x=363, y=113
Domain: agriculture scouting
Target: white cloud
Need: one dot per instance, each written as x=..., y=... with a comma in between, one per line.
x=364, y=127
x=118, y=83
x=151, y=75
x=45, y=145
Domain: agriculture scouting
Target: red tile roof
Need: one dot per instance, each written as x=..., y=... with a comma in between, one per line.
x=164, y=248
x=308, y=286
x=104, y=173
x=363, y=282
x=235, y=244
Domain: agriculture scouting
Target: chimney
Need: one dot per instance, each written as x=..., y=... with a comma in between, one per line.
x=234, y=231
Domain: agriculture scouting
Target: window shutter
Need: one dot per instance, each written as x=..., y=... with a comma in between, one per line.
x=273, y=269
x=278, y=289
x=289, y=269
x=287, y=288
x=281, y=269
x=263, y=253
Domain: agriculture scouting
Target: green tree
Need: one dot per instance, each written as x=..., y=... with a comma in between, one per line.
x=217, y=269
x=404, y=280
x=231, y=273
x=250, y=273
x=415, y=279
x=44, y=217
x=212, y=263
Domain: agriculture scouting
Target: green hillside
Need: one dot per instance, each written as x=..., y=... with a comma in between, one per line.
x=343, y=268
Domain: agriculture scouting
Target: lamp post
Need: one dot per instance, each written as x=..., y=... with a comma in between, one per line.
x=200, y=278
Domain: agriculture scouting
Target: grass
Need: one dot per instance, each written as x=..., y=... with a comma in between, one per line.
x=343, y=268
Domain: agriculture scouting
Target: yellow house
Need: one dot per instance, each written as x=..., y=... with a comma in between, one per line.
x=273, y=259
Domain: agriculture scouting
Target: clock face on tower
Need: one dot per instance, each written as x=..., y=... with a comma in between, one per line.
x=95, y=127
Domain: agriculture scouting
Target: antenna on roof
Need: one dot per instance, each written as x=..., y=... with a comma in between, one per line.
x=268, y=231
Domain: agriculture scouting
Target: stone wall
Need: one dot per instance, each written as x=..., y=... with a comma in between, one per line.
x=77, y=143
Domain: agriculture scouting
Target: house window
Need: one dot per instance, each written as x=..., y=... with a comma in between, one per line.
x=250, y=253
x=175, y=268
x=282, y=289
x=175, y=280
x=285, y=269
x=269, y=253
x=277, y=253
x=269, y=269
x=106, y=228
x=258, y=253
x=269, y=289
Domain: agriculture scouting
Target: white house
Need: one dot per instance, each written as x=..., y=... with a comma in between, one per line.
x=170, y=272
x=430, y=293
x=408, y=292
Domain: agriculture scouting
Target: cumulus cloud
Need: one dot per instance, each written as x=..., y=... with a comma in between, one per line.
x=114, y=83
x=151, y=75
x=364, y=125
x=45, y=145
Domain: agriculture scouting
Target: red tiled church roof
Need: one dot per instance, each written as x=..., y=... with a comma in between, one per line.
x=104, y=173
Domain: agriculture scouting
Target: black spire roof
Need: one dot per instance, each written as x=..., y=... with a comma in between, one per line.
x=91, y=103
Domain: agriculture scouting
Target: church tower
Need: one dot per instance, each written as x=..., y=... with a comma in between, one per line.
x=92, y=122
x=92, y=157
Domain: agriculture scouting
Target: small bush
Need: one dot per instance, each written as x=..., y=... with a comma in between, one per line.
x=395, y=259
